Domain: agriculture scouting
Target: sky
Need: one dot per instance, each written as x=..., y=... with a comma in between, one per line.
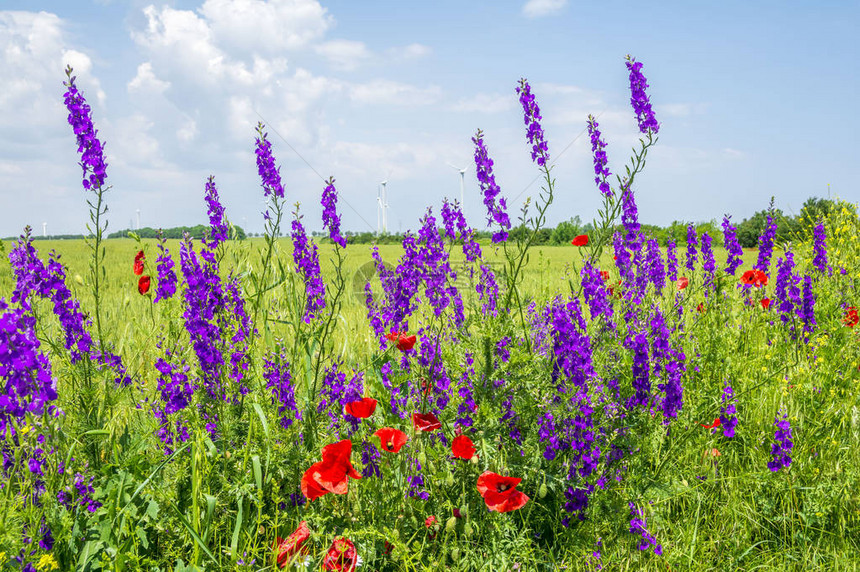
x=754, y=99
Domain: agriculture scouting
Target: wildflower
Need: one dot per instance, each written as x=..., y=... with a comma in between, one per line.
x=430, y=521
x=294, y=545
x=500, y=493
x=730, y=241
x=391, y=440
x=580, y=240
x=851, y=318
x=787, y=291
x=139, y=260
x=781, y=447
x=166, y=276
x=370, y=460
x=47, y=562
x=671, y=261
x=598, y=146
x=755, y=278
x=656, y=270
x=487, y=290
x=330, y=218
x=276, y=372
x=638, y=526
x=143, y=285
x=89, y=146
x=728, y=418
x=462, y=447
x=308, y=265
x=218, y=230
x=532, y=117
x=717, y=422
x=330, y=475
x=692, y=243
x=361, y=409
x=404, y=343
x=425, y=422
x=341, y=556
x=765, y=246
x=639, y=99
x=489, y=188
x=682, y=282
x=709, y=265
x=807, y=306
x=270, y=175
x=765, y=303
x=819, y=249
x=701, y=308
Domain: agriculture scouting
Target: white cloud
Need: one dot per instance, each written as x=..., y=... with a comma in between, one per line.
x=146, y=82
x=344, y=54
x=410, y=52
x=387, y=92
x=256, y=25
x=539, y=8
x=486, y=103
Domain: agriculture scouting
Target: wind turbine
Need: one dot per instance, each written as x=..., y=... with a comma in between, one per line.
x=382, y=204
x=44, y=229
x=462, y=184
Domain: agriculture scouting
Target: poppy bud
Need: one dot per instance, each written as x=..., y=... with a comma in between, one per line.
x=464, y=510
x=449, y=480
x=542, y=490
x=227, y=455
x=422, y=458
x=468, y=529
x=451, y=524
x=455, y=554
x=474, y=460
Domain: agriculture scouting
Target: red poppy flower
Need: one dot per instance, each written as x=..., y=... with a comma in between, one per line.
x=392, y=440
x=143, y=284
x=755, y=278
x=430, y=521
x=765, y=303
x=293, y=545
x=701, y=307
x=341, y=556
x=139, y=259
x=851, y=317
x=682, y=282
x=500, y=493
x=580, y=240
x=362, y=409
x=462, y=447
x=713, y=425
x=425, y=422
x=330, y=475
x=404, y=342
x=604, y=274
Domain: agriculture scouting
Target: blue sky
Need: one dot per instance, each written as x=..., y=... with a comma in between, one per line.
x=755, y=99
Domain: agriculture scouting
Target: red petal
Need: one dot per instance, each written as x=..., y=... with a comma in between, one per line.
x=392, y=440
x=143, y=285
x=425, y=422
x=362, y=409
x=293, y=545
x=462, y=447
x=515, y=501
x=492, y=482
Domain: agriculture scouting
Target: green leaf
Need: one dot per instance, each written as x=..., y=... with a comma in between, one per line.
x=234, y=541
x=194, y=534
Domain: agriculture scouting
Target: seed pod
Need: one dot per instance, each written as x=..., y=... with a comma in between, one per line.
x=455, y=554
x=451, y=524
x=464, y=510
x=468, y=529
x=227, y=455
x=422, y=458
x=542, y=490
x=449, y=480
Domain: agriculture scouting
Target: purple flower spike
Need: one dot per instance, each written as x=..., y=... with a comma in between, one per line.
x=89, y=146
x=730, y=241
x=598, y=146
x=819, y=249
x=217, y=222
x=532, y=118
x=781, y=447
x=765, y=246
x=728, y=412
x=639, y=99
x=269, y=174
x=330, y=218
x=487, y=180
x=308, y=265
x=166, y=275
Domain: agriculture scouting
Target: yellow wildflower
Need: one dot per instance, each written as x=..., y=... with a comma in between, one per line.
x=47, y=562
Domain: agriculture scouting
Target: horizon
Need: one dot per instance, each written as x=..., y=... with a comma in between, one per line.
x=746, y=110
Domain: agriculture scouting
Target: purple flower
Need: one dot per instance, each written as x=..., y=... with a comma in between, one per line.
x=639, y=99
x=488, y=290
x=730, y=241
x=330, y=218
x=781, y=447
x=787, y=290
x=532, y=118
x=638, y=525
x=416, y=481
x=166, y=276
x=308, y=265
x=807, y=306
x=454, y=221
x=728, y=417
x=656, y=270
x=598, y=146
x=630, y=219
x=502, y=351
x=765, y=245
x=709, y=264
x=489, y=188
x=692, y=243
x=269, y=174
x=218, y=231
x=370, y=459
x=671, y=261
x=819, y=249
x=89, y=146
x=595, y=293
x=641, y=368
x=622, y=258
x=467, y=405
x=571, y=345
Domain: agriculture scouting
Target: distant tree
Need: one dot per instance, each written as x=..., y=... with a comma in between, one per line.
x=566, y=231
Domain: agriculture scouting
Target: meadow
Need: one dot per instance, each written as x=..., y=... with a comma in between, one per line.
x=275, y=403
